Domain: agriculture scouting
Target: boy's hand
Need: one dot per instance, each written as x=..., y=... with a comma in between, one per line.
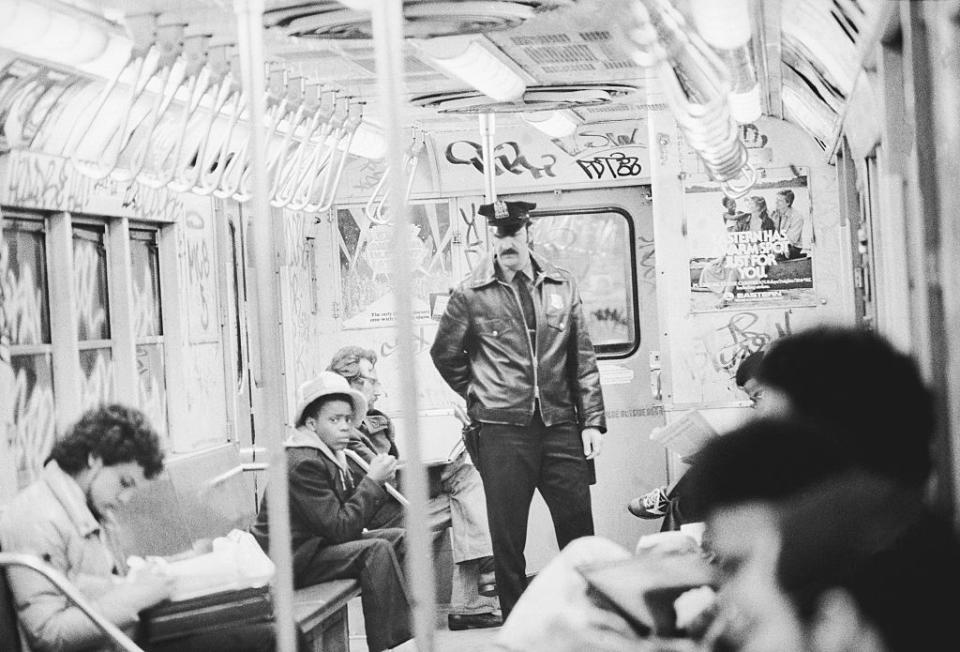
x=383, y=467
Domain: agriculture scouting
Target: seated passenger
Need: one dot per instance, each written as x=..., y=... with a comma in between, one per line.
x=863, y=567
x=661, y=502
x=458, y=496
x=66, y=518
x=737, y=480
x=331, y=510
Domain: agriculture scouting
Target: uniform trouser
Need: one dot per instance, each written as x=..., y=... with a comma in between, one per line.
x=515, y=460
x=376, y=559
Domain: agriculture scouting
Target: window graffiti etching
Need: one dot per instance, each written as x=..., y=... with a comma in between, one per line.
x=366, y=262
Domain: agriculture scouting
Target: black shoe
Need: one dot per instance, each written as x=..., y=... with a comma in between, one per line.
x=456, y=622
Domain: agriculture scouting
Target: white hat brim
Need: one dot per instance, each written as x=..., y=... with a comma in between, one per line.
x=359, y=402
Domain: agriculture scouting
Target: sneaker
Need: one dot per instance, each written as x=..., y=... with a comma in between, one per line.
x=650, y=505
x=457, y=622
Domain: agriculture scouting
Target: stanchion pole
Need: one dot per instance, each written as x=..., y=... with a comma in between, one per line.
x=387, y=18
x=271, y=421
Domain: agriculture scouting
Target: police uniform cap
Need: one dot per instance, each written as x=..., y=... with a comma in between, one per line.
x=507, y=217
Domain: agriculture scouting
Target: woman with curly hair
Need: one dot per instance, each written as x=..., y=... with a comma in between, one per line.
x=66, y=519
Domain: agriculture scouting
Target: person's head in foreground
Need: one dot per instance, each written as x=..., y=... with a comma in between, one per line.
x=855, y=383
x=735, y=487
x=864, y=567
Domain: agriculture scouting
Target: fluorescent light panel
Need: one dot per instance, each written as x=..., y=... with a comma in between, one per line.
x=475, y=64
x=556, y=124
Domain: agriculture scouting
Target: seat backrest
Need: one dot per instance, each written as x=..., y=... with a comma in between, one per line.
x=182, y=505
x=9, y=631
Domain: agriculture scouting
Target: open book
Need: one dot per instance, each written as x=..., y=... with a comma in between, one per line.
x=685, y=435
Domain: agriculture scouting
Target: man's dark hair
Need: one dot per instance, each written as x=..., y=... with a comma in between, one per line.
x=346, y=361
x=313, y=409
x=788, y=196
x=873, y=539
x=764, y=460
x=116, y=434
x=748, y=368
x=856, y=382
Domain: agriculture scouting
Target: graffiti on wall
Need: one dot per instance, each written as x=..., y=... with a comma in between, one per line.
x=298, y=274
x=613, y=165
x=507, y=157
x=194, y=243
x=36, y=180
x=718, y=346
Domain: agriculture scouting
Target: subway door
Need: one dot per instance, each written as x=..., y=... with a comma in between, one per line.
x=233, y=288
x=605, y=238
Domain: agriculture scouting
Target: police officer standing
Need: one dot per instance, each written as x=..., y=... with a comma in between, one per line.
x=514, y=344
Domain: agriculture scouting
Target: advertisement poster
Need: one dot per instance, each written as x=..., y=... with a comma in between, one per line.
x=752, y=251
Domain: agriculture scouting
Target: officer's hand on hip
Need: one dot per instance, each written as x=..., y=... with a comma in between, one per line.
x=591, y=442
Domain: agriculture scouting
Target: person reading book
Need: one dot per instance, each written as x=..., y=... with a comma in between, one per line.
x=66, y=518
x=666, y=503
x=456, y=497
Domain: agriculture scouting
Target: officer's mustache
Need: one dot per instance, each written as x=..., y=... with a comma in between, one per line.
x=509, y=250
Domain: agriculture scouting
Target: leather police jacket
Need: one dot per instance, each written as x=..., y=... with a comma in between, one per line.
x=483, y=351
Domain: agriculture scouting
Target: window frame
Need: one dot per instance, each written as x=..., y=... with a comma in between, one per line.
x=611, y=351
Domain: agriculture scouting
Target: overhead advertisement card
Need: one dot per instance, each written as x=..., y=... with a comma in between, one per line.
x=755, y=250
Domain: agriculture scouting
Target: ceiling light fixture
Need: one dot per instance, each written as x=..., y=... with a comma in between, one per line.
x=61, y=37
x=474, y=63
x=556, y=124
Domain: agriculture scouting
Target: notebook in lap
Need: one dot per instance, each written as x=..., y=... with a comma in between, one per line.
x=642, y=589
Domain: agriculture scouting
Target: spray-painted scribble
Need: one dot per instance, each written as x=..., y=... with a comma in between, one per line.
x=473, y=245
x=151, y=388
x=97, y=384
x=42, y=181
x=33, y=415
x=507, y=157
x=90, y=291
x=615, y=165
x=646, y=259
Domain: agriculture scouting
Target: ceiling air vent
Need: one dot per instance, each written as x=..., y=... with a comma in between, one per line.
x=327, y=19
x=536, y=98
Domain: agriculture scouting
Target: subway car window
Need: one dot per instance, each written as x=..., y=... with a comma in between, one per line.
x=366, y=265
x=27, y=309
x=93, y=314
x=148, y=326
x=596, y=246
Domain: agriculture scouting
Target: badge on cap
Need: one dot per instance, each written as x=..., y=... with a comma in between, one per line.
x=500, y=210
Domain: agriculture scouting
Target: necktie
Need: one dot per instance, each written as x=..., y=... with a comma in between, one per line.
x=526, y=302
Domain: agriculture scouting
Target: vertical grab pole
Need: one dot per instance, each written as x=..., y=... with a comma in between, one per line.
x=387, y=18
x=263, y=257
x=487, y=127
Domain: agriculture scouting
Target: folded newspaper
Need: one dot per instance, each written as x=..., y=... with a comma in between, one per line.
x=685, y=435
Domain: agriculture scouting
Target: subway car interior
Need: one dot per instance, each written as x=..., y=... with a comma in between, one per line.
x=203, y=201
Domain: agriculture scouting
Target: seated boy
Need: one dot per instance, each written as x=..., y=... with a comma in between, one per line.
x=330, y=510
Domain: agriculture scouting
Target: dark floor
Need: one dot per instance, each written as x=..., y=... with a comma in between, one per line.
x=470, y=640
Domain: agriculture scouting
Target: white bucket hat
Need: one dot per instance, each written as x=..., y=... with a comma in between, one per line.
x=325, y=384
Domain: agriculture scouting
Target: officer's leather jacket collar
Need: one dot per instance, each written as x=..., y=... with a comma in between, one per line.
x=488, y=271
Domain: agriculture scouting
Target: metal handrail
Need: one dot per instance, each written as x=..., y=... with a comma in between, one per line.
x=410, y=163
x=60, y=581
